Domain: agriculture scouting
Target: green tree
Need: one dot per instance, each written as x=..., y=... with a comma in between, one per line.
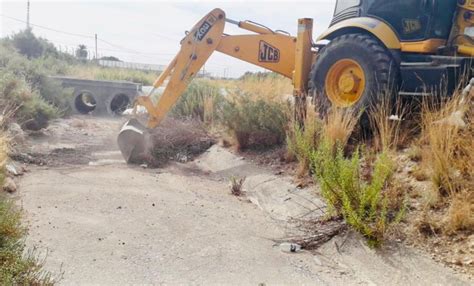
x=27, y=44
x=81, y=52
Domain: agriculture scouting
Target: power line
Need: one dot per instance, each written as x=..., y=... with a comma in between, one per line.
x=117, y=51
x=76, y=35
x=117, y=46
x=50, y=29
x=121, y=48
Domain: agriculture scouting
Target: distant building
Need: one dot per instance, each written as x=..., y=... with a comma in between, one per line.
x=129, y=65
x=142, y=66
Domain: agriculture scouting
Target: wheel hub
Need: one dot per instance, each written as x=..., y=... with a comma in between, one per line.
x=349, y=83
x=345, y=83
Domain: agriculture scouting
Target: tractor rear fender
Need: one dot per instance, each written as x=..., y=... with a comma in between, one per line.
x=380, y=30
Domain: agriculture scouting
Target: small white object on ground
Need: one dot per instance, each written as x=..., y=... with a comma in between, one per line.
x=394, y=117
x=290, y=247
x=12, y=169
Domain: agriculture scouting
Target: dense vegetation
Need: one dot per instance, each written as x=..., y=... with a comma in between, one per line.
x=358, y=177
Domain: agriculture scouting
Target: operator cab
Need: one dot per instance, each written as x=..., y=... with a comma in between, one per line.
x=411, y=20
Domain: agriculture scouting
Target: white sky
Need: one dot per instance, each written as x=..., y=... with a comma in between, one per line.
x=149, y=31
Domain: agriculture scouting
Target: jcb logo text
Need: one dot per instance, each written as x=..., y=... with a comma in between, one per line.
x=268, y=53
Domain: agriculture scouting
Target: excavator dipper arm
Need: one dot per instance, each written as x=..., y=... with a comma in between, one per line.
x=196, y=48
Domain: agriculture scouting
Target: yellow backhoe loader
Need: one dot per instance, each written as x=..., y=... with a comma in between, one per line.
x=415, y=47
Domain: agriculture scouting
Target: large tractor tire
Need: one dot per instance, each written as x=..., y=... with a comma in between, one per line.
x=353, y=71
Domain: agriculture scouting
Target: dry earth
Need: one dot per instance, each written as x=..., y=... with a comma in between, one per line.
x=103, y=222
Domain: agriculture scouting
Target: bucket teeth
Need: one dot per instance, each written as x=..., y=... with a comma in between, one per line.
x=132, y=141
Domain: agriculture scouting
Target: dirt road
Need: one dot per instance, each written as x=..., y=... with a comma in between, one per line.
x=104, y=222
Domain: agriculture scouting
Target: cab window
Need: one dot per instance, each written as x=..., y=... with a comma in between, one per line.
x=342, y=5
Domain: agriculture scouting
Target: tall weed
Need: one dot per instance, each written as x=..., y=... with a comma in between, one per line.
x=364, y=204
x=301, y=141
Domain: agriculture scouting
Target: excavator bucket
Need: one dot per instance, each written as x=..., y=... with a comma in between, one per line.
x=134, y=141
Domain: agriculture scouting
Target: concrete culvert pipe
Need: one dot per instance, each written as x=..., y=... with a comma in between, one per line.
x=85, y=102
x=119, y=103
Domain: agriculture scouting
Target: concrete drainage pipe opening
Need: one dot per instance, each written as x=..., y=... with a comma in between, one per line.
x=119, y=103
x=85, y=102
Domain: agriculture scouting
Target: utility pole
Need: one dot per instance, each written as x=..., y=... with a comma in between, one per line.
x=96, y=56
x=225, y=72
x=28, y=15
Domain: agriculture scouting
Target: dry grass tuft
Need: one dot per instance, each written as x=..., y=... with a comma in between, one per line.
x=460, y=214
x=427, y=226
x=449, y=140
x=415, y=153
x=430, y=198
x=339, y=125
x=236, y=185
x=420, y=174
x=385, y=118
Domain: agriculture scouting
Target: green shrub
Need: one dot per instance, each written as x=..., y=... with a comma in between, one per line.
x=12, y=62
x=364, y=204
x=24, y=83
x=202, y=100
x=255, y=123
x=54, y=94
x=54, y=66
x=32, y=111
